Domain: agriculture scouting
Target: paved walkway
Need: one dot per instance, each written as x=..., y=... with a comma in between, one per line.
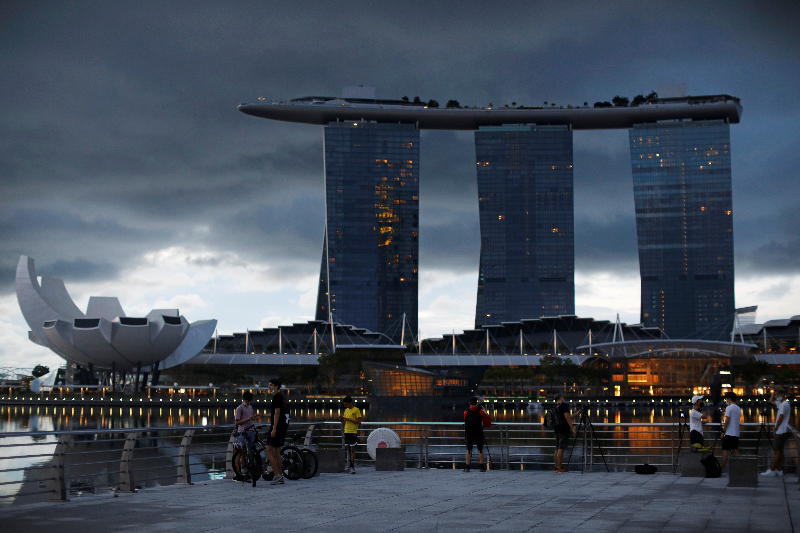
x=421, y=501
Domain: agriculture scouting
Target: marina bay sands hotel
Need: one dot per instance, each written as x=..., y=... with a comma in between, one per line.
x=681, y=165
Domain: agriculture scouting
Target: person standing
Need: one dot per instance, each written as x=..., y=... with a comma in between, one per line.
x=245, y=430
x=279, y=419
x=733, y=416
x=475, y=419
x=782, y=433
x=696, y=418
x=351, y=419
x=564, y=426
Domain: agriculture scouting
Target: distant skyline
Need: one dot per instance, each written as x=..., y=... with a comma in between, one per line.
x=128, y=171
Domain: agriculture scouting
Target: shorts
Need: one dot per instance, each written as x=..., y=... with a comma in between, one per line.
x=350, y=439
x=278, y=440
x=562, y=440
x=730, y=443
x=474, y=439
x=780, y=440
x=695, y=437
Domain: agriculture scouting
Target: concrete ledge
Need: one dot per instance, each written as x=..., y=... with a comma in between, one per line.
x=331, y=461
x=390, y=459
x=690, y=464
x=743, y=471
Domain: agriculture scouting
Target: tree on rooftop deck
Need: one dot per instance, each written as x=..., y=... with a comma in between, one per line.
x=452, y=104
x=405, y=98
x=417, y=100
x=620, y=101
x=433, y=103
x=39, y=371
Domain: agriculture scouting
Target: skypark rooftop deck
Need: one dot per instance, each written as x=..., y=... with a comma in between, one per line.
x=321, y=111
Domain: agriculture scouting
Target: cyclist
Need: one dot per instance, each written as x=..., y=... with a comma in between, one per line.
x=244, y=417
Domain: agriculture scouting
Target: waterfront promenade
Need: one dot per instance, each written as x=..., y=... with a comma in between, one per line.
x=437, y=500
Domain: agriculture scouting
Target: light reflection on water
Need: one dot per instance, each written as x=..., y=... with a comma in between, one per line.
x=27, y=419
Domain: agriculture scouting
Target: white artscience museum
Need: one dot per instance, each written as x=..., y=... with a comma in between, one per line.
x=104, y=337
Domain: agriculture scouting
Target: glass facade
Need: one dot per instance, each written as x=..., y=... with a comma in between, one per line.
x=370, y=257
x=684, y=223
x=525, y=189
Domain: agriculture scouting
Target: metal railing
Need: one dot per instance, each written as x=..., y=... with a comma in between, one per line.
x=61, y=464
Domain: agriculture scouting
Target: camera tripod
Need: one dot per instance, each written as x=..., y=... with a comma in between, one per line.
x=763, y=431
x=682, y=426
x=589, y=434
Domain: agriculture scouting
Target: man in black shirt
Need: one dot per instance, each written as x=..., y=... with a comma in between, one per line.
x=563, y=429
x=277, y=431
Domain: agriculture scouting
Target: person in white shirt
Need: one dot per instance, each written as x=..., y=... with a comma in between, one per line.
x=730, y=442
x=696, y=418
x=782, y=433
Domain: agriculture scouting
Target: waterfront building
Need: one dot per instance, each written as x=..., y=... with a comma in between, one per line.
x=370, y=257
x=525, y=193
x=684, y=222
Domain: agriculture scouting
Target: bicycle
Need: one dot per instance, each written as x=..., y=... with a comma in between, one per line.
x=249, y=464
x=312, y=464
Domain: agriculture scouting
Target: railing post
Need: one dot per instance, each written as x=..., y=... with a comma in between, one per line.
x=126, y=483
x=58, y=485
x=229, y=473
x=508, y=451
x=309, y=436
x=184, y=470
x=426, y=446
x=585, y=434
x=422, y=428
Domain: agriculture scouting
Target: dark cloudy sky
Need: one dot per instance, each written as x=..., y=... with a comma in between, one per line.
x=127, y=170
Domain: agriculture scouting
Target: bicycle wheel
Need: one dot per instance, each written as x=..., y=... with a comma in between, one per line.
x=311, y=463
x=255, y=466
x=293, y=463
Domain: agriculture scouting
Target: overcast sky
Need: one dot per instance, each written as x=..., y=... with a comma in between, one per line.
x=127, y=170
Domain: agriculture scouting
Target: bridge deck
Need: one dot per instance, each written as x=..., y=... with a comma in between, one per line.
x=433, y=500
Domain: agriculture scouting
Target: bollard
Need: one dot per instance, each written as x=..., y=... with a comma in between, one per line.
x=229, y=473
x=58, y=485
x=184, y=470
x=126, y=483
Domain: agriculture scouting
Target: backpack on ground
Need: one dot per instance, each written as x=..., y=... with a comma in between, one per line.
x=713, y=468
x=551, y=417
x=473, y=421
x=646, y=469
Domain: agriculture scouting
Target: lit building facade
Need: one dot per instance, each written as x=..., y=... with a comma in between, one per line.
x=369, y=270
x=682, y=193
x=525, y=190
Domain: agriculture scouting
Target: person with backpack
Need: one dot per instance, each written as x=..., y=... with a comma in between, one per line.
x=475, y=419
x=562, y=422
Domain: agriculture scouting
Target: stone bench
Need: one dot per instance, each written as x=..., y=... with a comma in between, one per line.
x=743, y=471
x=390, y=459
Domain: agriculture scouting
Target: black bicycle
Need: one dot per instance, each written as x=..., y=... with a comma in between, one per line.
x=246, y=461
x=310, y=458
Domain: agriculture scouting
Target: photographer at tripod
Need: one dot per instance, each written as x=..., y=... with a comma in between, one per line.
x=696, y=418
x=564, y=426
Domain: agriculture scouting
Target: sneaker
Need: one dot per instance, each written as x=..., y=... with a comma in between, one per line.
x=352, y=470
x=779, y=473
x=277, y=481
x=769, y=472
x=483, y=468
x=561, y=470
x=466, y=469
